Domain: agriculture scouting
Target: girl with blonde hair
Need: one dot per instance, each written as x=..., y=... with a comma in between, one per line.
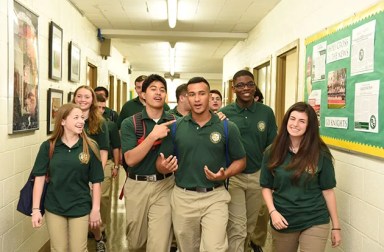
x=72, y=160
x=97, y=129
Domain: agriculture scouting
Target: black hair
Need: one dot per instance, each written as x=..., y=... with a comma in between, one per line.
x=141, y=78
x=198, y=80
x=100, y=98
x=243, y=73
x=151, y=78
x=180, y=90
x=100, y=88
x=259, y=94
x=215, y=91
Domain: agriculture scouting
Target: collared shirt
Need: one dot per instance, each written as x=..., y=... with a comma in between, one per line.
x=114, y=138
x=110, y=114
x=257, y=127
x=129, y=141
x=302, y=205
x=68, y=192
x=132, y=107
x=102, y=137
x=175, y=112
x=199, y=146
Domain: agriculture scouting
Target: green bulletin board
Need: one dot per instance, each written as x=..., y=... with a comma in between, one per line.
x=344, y=81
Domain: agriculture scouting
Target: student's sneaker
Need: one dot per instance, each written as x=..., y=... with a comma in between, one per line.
x=100, y=246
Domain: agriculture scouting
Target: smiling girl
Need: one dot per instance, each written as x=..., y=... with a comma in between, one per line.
x=74, y=162
x=298, y=178
x=97, y=129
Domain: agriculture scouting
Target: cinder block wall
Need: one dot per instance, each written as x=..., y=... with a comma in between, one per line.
x=18, y=151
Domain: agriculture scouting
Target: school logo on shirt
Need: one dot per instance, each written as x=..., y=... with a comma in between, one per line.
x=83, y=157
x=215, y=137
x=261, y=126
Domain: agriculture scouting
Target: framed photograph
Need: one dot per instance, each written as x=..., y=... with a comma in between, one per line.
x=70, y=97
x=55, y=51
x=23, y=67
x=54, y=102
x=74, y=56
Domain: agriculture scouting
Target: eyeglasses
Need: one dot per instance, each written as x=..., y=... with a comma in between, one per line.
x=242, y=85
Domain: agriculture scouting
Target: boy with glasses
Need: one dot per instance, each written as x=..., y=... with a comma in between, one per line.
x=257, y=126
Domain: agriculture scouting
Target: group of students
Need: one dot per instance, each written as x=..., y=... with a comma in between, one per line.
x=193, y=173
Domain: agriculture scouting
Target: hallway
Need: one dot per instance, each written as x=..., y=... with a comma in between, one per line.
x=115, y=230
x=116, y=239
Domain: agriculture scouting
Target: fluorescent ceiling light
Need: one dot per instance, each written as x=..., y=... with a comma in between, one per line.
x=172, y=60
x=172, y=13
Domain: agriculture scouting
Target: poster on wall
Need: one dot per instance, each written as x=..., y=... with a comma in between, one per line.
x=23, y=65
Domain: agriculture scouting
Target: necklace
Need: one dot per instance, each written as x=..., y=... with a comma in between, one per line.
x=293, y=149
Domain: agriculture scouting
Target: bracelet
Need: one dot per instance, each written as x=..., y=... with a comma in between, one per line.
x=116, y=167
x=272, y=212
x=35, y=211
x=35, y=208
x=336, y=228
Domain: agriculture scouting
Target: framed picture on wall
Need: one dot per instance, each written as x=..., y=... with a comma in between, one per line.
x=55, y=51
x=70, y=97
x=23, y=70
x=74, y=59
x=54, y=102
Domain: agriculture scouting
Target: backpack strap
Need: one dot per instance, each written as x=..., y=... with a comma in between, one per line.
x=140, y=131
x=173, y=135
x=227, y=159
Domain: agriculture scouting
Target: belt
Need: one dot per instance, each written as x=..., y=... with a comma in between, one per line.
x=201, y=189
x=149, y=178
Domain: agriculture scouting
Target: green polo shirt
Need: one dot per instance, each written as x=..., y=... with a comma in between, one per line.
x=114, y=138
x=110, y=114
x=302, y=205
x=101, y=138
x=129, y=141
x=68, y=191
x=199, y=146
x=175, y=112
x=257, y=126
x=132, y=107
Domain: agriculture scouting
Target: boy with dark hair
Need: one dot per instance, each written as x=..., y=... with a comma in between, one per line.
x=257, y=126
x=108, y=113
x=137, y=104
x=182, y=108
x=147, y=192
x=216, y=100
x=199, y=199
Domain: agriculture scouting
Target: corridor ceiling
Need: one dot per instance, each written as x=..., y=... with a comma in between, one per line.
x=205, y=30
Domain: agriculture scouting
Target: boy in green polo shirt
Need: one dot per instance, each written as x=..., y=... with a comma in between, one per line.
x=147, y=192
x=182, y=108
x=135, y=105
x=199, y=199
x=257, y=126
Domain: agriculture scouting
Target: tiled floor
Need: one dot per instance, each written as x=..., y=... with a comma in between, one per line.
x=116, y=228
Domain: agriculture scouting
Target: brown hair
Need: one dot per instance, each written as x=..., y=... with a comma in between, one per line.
x=306, y=159
x=58, y=132
x=95, y=120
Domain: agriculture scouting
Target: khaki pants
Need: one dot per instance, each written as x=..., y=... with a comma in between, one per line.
x=244, y=208
x=67, y=234
x=148, y=214
x=200, y=219
x=105, y=202
x=312, y=239
x=259, y=235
